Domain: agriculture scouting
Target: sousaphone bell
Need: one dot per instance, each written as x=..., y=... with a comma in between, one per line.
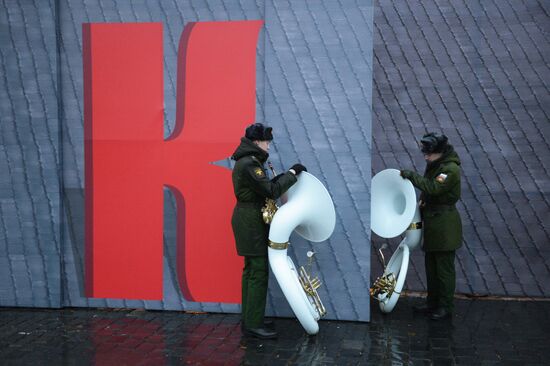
x=393, y=210
x=308, y=210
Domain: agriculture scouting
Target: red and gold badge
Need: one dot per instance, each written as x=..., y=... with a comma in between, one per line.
x=441, y=178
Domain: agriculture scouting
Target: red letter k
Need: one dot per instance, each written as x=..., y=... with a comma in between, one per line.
x=127, y=161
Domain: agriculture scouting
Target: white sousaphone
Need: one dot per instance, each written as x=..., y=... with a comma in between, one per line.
x=308, y=210
x=393, y=210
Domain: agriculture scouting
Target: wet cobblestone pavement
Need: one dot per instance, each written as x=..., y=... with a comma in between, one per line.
x=482, y=332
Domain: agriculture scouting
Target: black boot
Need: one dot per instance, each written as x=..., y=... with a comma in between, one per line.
x=269, y=324
x=262, y=333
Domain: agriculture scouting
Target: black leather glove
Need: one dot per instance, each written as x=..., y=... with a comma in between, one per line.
x=298, y=168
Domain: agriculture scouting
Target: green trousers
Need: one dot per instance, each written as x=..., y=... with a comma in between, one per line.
x=440, y=278
x=254, y=291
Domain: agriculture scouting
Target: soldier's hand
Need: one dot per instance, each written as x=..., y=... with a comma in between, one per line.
x=298, y=168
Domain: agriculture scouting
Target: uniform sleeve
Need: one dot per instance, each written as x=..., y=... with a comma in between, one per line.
x=262, y=185
x=446, y=178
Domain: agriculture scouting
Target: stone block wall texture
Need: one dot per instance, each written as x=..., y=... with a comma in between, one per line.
x=30, y=160
x=314, y=86
x=477, y=71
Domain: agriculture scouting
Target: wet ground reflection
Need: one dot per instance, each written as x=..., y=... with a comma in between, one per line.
x=482, y=332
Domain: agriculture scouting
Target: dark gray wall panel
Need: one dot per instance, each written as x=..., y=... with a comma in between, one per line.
x=318, y=58
x=29, y=156
x=478, y=72
x=313, y=86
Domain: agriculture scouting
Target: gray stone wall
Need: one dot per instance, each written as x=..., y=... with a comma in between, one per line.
x=30, y=215
x=478, y=72
x=314, y=82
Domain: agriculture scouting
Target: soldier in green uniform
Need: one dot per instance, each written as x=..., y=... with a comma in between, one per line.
x=440, y=188
x=252, y=186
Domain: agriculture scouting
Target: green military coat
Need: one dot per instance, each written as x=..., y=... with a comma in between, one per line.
x=440, y=188
x=252, y=186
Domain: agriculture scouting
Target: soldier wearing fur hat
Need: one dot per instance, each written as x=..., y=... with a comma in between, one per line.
x=440, y=186
x=252, y=186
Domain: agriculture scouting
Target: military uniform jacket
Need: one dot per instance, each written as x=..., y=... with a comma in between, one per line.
x=440, y=188
x=252, y=186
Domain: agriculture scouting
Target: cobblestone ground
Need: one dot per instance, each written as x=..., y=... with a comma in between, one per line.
x=481, y=332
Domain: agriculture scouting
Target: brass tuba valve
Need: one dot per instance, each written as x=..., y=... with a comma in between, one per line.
x=311, y=284
x=269, y=210
x=385, y=284
x=270, y=207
